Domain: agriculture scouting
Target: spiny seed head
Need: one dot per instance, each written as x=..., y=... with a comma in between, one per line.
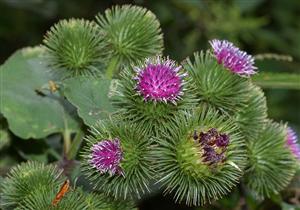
x=73, y=47
x=130, y=33
x=292, y=142
x=106, y=156
x=233, y=58
x=160, y=80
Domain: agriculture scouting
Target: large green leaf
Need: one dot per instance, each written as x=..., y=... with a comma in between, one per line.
x=5, y=139
x=30, y=114
x=91, y=96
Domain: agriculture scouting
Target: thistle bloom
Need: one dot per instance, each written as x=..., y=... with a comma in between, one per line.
x=291, y=142
x=159, y=80
x=222, y=140
x=233, y=58
x=214, y=145
x=106, y=156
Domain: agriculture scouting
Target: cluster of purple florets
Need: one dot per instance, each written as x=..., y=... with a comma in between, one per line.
x=292, y=143
x=214, y=145
x=106, y=156
x=160, y=80
x=233, y=58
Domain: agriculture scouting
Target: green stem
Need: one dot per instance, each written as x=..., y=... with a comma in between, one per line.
x=277, y=80
x=75, y=145
x=112, y=66
x=67, y=140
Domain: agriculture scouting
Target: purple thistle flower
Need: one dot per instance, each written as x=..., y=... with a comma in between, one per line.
x=233, y=58
x=222, y=140
x=210, y=157
x=160, y=80
x=106, y=156
x=204, y=138
x=214, y=145
x=291, y=142
x=213, y=132
x=208, y=149
x=209, y=153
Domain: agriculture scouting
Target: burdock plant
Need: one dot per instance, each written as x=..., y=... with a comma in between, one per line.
x=130, y=34
x=117, y=159
x=74, y=47
x=272, y=150
x=153, y=92
x=34, y=185
x=200, y=157
x=194, y=129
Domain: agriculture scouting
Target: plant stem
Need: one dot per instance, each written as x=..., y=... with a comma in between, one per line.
x=75, y=145
x=67, y=141
x=277, y=80
x=112, y=66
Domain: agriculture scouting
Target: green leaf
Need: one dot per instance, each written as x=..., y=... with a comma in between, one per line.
x=34, y=157
x=91, y=96
x=277, y=80
x=5, y=139
x=30, y=113
x=286, y=206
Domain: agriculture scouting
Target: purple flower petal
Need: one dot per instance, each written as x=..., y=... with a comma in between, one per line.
x=222, y=140
x=159, y=80
x=214, y=145
x=204, y=137
x=213, y=132
x=292, y=143
x=233, y=58
x=106, y=156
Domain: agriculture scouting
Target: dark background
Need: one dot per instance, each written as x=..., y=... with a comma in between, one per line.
x=257, y=26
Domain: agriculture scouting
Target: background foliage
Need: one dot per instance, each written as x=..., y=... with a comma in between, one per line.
x=258, y=26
